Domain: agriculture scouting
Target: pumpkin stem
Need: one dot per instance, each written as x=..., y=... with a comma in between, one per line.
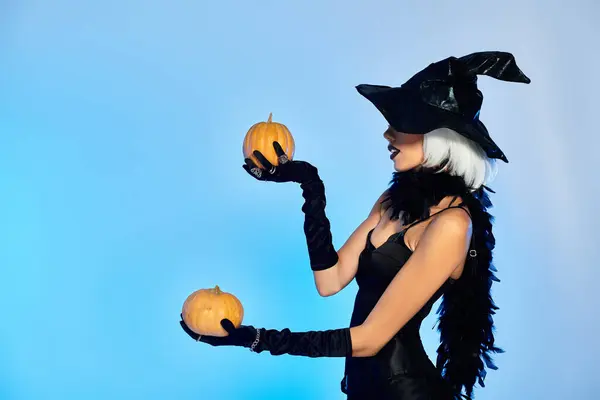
x=270, y=118
x=217, y=289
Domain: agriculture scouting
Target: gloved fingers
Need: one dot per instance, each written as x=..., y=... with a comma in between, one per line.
x=251, y=164
x=265, y=163
x=281, y=156
x=255, y=172
x=253, y=169
x=278, y=149
x=187, y=330
x=213, y=340
x=228, y=326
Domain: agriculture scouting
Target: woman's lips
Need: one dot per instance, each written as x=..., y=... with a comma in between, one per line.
x=394, y=151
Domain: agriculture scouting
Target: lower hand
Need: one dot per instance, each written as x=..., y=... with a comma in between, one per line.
x=243, y=336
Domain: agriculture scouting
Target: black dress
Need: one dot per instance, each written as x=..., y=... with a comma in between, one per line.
x=401, y=370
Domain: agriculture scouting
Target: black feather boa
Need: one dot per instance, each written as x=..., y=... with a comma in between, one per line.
x=466, y=313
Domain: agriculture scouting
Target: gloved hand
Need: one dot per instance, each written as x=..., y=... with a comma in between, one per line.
x=317, y=229
x=286, y=171
x=242, y=336
x=331, y=343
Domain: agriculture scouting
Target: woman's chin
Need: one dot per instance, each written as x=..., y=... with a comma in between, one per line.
x=398, y=166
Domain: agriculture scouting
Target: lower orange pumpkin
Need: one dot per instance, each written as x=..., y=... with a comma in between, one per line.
x=204, y=309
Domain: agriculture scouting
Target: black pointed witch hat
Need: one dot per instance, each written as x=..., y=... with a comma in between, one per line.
x=445, y=95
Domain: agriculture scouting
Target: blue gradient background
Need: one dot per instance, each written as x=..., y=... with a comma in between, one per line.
x=121, y=126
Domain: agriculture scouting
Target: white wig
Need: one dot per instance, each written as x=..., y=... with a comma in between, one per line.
x=457, y=155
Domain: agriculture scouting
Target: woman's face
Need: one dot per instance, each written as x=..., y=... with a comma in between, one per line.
x=406, y=150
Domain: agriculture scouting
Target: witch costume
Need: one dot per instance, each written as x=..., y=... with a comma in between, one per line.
x=443, y=95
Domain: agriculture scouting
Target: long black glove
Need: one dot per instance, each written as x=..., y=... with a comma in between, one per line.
x=331, y=343
x=317, y=229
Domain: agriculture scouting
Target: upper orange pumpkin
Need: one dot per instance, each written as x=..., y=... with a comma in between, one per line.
x=261, y=137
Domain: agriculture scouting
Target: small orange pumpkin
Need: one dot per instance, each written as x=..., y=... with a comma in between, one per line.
x=204, y=309
x=261, y=137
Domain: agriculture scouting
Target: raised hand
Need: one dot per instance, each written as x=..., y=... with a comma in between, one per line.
x=317, y=230
x=286, y=171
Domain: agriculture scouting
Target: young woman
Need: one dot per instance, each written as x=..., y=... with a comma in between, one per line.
x=429, y=235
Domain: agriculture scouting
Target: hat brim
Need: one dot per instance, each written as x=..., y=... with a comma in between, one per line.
x=406, y=112
x=400, y=107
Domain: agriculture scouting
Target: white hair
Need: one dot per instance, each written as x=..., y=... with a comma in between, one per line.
x=457, y=155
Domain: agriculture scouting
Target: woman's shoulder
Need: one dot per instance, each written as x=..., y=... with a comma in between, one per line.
x=453, y=218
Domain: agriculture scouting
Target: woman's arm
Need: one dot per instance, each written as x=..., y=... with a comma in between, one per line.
x=441, y=249
x=332, y=269
x=330, y=281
